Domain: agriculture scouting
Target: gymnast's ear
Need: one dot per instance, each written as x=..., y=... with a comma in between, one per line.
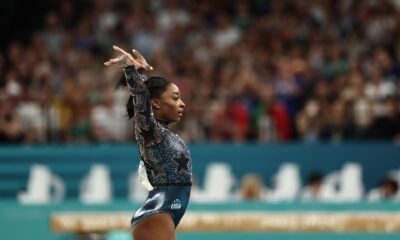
x=155, y=103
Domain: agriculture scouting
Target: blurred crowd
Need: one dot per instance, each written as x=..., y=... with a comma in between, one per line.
x=268, y=71
x=317, y=189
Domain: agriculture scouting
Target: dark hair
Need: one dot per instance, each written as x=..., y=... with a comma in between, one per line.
x=155, y=85
x=390, y=183
x=314, y=177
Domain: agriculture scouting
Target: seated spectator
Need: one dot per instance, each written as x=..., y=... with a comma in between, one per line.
x=387, y=190
x=252, y=188
x=312, y=192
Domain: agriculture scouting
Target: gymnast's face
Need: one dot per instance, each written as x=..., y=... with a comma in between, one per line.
x=169, y=106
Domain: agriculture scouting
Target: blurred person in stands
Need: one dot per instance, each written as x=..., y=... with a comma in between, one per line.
x=166, y=166
x=264, y=122
x=378, y=87
x=107, y=123
x=288, y=87
x=360, y=107
x=239, y=117
x=309, y=121
x=337, y=126
x=10, y=126
x=252, y=188
x=386, y=124
x=76, y=106
x=387, y=190
x=312, y=192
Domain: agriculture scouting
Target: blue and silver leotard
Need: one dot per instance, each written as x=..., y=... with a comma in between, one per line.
x=165, y=156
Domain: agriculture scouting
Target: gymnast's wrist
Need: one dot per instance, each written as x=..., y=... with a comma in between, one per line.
x=131, y=71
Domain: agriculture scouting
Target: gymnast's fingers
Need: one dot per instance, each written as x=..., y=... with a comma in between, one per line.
x=141, y=59
x=113, y=61
x=120, y=50
x=137, y=54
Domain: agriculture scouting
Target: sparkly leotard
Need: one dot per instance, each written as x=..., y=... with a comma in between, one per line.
x=166, y=157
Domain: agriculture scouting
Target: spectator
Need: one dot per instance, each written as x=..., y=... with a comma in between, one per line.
x=312, y=191
x=107, y=118
x=252, y=188
x=386, y=124
x=337, y=127
x=387, y=190
x=10, y=126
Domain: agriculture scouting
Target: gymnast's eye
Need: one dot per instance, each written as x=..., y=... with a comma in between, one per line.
x=176, y=97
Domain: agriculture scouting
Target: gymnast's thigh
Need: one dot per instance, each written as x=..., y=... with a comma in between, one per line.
x=158, y=226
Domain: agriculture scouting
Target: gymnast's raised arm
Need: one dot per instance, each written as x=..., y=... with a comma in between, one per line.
x=134, y=70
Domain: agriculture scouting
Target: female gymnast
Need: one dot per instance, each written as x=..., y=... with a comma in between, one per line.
x=166, y=166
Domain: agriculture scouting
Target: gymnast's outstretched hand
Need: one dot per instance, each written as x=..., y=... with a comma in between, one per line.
x=125, y=59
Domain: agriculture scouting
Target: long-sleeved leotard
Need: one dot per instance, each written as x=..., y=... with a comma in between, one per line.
x=165, y=155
